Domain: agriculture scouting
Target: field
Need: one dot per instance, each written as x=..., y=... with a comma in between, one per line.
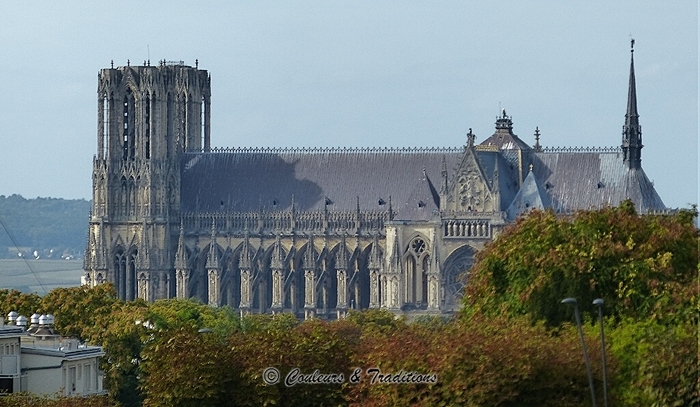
x=39, y=276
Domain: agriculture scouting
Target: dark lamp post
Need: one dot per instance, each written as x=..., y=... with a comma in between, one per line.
x=598, y=302
x=572, y=301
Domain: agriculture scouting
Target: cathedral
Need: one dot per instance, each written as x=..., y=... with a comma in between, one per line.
x=316, y=232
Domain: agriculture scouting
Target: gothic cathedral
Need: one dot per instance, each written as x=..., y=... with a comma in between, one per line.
x=315, y=232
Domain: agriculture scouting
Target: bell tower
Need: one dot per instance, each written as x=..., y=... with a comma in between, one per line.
x=146, y=116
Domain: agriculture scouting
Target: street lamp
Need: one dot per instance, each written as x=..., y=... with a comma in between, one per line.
x=599, y=303
x=572, y=301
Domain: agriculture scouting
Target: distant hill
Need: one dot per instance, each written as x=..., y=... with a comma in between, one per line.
x=47, y=228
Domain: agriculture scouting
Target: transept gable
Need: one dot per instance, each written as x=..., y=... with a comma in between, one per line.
x=470, y=189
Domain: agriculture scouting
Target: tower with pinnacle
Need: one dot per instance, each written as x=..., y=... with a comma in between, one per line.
x=147, y=115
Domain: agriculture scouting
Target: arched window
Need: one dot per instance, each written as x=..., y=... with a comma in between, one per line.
x=416, y=265
x=147, y=129
x=120, y=272
x=129, y=135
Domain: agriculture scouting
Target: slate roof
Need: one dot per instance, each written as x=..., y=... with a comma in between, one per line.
x=423, y=202
x=246, y=180
x=530, y=196
x=592, y=179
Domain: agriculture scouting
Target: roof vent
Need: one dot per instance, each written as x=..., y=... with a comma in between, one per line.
x=381, y=201
x=548, y=185
x=11, y=317
x=600, y=185
x=421, y=204
x=21, y=321
x=43, y=320
x=50, y=319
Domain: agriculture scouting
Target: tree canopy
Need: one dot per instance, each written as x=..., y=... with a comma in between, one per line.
x=642, y=266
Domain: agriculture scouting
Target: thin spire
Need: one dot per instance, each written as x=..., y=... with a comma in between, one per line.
x=181, y=255
x=632, y=131
x=632, y=91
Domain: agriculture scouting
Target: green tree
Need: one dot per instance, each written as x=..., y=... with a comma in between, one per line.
x=77, y=309
x=23, y=304
x=642, y=266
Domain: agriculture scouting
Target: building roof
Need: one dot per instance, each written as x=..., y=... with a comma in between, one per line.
x=530, y=196
x=249, y=180
x=589, y=178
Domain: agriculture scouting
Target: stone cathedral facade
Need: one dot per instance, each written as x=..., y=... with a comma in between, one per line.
x=315, y=232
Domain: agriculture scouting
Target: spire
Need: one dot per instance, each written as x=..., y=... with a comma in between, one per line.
x=443, y=173
x=632, y=131
x=181, y=255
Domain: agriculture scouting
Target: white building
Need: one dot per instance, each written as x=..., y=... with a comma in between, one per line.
x=39, y=361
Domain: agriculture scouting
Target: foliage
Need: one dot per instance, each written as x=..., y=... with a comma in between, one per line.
x=643, y=266
x=30, y=400
x=310, y=346
x=122, y=339
x=43, y=224
x=658, y=364
x=76, y=309
x=23, y=304
x=500, y=362
x=187, y=368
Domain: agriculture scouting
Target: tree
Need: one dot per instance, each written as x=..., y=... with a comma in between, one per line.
x=23, y=304
x=77, y=309
x=642, y=266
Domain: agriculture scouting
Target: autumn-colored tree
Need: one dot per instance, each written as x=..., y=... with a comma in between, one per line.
x=642, y=266
x=487, y=362
x=282, y=343
x=23, y=304
x=30, y=400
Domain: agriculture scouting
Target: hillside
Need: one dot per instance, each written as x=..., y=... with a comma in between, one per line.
x=47, y=228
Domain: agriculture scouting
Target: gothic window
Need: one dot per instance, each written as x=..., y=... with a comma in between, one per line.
x=129, y=141
x=131, y=275
x=418, y=246
x=104, y=118
x=455, y=273
x=183, y=122
x=147, y=130
x=416, y=263
x=203, y=122
x=169, y=124
x=120, y=271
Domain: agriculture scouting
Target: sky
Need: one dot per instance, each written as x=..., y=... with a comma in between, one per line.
x=357, y=74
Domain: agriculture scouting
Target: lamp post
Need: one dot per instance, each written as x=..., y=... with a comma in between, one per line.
x=572, y=301
x=599, y=303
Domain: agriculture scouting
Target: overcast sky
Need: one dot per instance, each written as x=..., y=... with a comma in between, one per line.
x=357, y=74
